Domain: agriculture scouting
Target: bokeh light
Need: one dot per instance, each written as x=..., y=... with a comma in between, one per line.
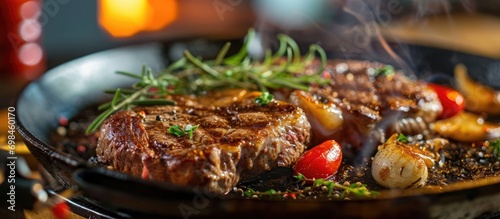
x=125, y=18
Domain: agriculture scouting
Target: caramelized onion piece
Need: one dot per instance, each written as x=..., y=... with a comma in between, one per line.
x=478, y=98
x=325, y=118
x=399, y=165
x=466, y=127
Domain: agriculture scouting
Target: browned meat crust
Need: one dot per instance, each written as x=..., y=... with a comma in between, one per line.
x=236, y=139
x=370, y=102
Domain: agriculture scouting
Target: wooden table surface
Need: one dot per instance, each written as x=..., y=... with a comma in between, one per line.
x=472, y=33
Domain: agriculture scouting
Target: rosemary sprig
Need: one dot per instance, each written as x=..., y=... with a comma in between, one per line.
x=192, y=75
x=126, y=100
x=495, y=148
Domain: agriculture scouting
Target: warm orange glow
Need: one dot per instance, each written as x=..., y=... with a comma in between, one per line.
x=124, y=18
x=163, y=13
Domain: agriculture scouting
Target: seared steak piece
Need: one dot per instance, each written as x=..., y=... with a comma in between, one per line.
x=365, y=102
x=236, y=140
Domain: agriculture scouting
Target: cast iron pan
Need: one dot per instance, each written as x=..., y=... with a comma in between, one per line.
x=71, y=87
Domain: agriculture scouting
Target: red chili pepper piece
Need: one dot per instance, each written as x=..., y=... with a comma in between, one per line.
x=452, y=101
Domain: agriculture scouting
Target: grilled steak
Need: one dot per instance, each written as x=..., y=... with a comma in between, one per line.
x=236, y=139
x=367, y=102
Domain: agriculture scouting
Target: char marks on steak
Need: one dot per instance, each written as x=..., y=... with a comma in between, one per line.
x=236, y=140
x=368, y=103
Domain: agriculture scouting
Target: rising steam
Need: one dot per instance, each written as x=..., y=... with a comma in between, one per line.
x=351, y=29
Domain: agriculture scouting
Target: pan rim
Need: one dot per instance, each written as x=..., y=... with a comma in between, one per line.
x=75, y=163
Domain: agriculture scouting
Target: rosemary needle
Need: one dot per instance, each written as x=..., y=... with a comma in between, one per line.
x=192, y=75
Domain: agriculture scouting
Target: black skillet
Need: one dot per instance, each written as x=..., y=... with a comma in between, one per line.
x=71, y=87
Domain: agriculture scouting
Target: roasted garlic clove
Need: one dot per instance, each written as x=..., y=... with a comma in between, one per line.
x=466, y=127
x=398, y=165
x=478, y=98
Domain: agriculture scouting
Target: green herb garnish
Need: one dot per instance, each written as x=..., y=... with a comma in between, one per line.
x=264, y=99
x=347, y=190
x=190, y=129
x=249, y=193
x=178, y=131
x=192, y=75
x=386, y=70
x=495, y=148
x=402, y=138
x=299, y=177
x=270, y=194
x=359, y=190
x=121, y=100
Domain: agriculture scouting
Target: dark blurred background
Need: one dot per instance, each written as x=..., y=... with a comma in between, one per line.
x=82, y=27
x=38, y=35
x=74, y=32
x=73, y=28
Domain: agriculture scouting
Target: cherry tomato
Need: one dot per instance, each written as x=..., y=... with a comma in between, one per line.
x=452, y=101
x=321, y=161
